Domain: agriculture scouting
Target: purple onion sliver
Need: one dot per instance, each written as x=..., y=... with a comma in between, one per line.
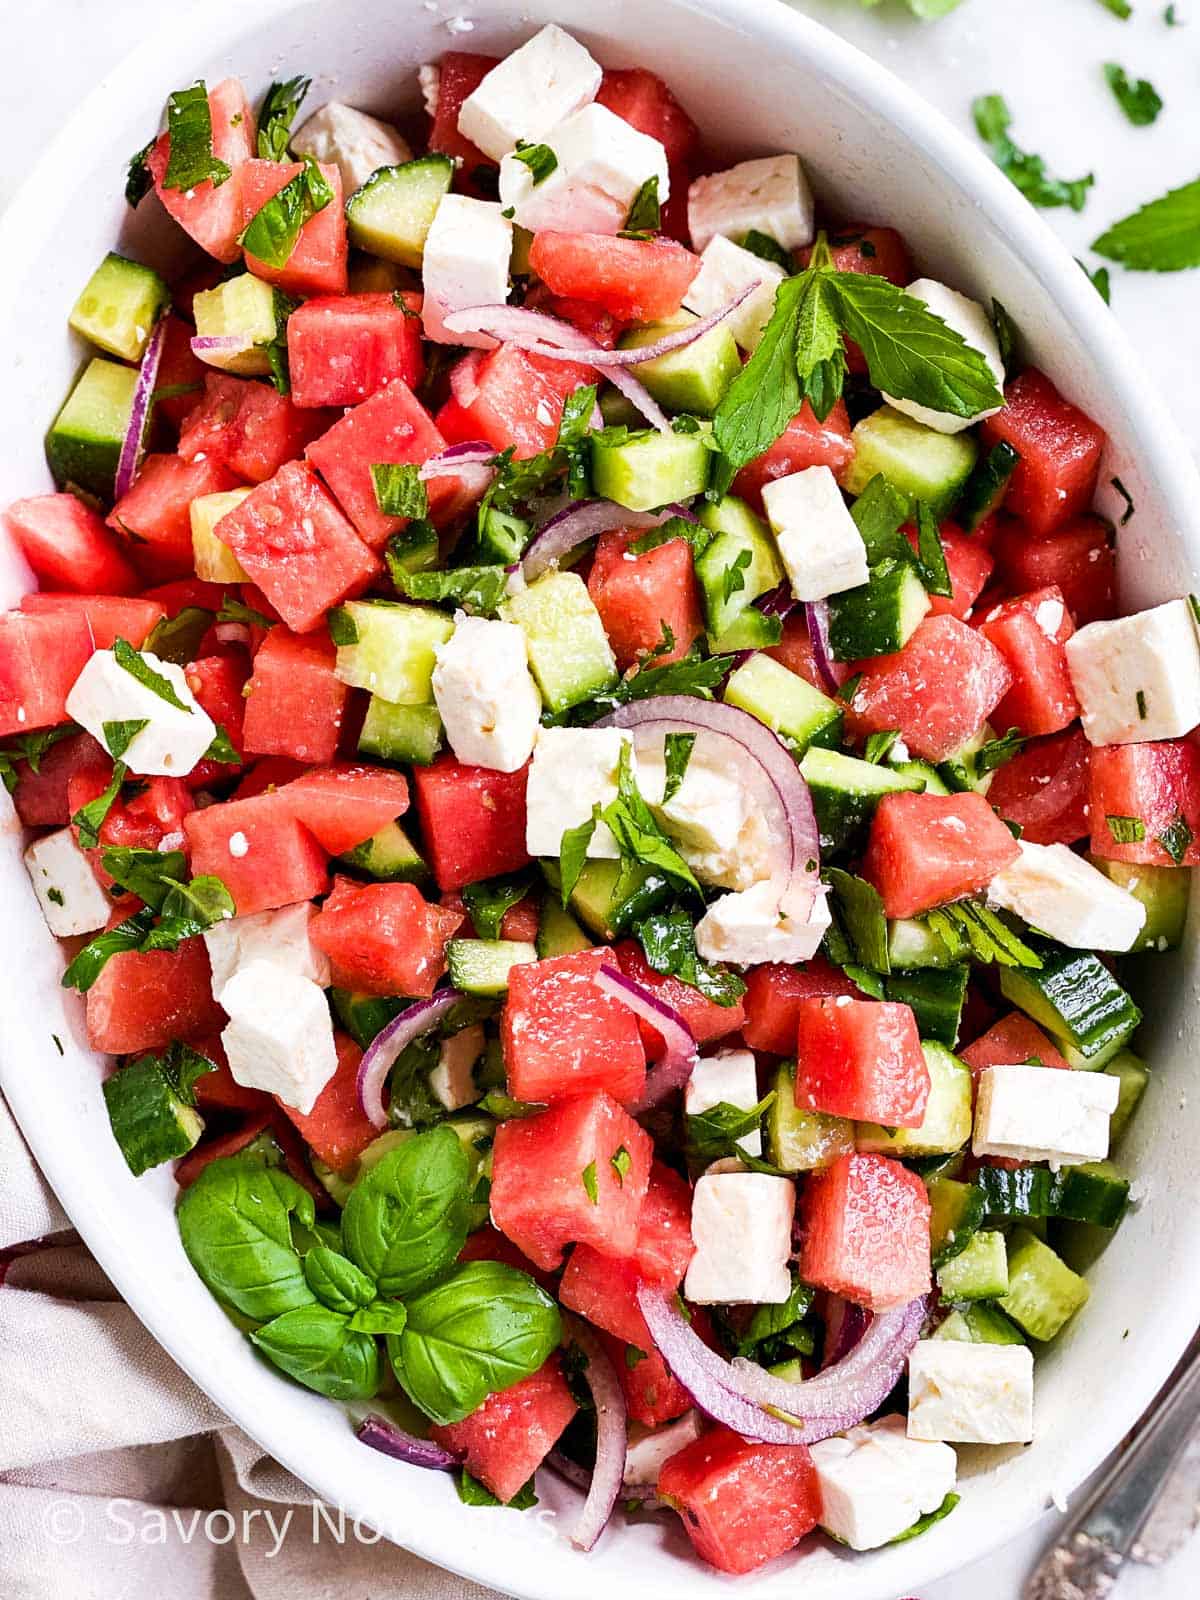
x=816, y=614
x=679, y=1062
x=608, y=1475
x=380, y=1055
x=386, y=1437
x=778, y=602
x=203, y=343
x=139, y=411
x=574, y=525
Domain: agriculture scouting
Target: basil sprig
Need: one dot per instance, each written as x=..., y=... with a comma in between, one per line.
x=407, y=1218
x=189, y=123
x=273, y=232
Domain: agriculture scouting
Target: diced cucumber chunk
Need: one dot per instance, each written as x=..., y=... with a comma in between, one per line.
x=879, y=616
x=959, y=772
x=739, y=532
x=946, y=1124
x=212, y=558
x=912, y=945
x=1043, y=1293
x=558, y=932
x=390, y=216
x=936, y=996
x=389, y=856
x=569, y=652
x=918, y=461
x=388, y=647
x=800, y=1140
x=1164, y=891
x=648, y=469
x=786, y=702
x=413, y=549
x=845, y=792
x=119, y=307
x=364, y=1015
x=1076, y=999
x=482, y=966
x=608, y=899
x=956, y=1211
x=692, y=379
x=502, y=538
x=85, y=438
x=1094, y=1192
x=985, y=488
x=519, y=265
x=979, y=1324
x=751, y=629
x=246, y=308
x=1132, y=1076
x=924, y=772
x=977, y=1272
x=150, y=1122
x=401, y=733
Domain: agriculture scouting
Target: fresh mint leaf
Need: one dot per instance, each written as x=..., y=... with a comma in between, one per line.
x=677, y=752
x=138, y=180
x=1007, y=337
x=995, y=752
x=879, y=513
x=318, y=1348
x=87, y=966
x=89, y=819
x=733, y=578
x=692, y=533
x=478, y=589
x=274, y=231
x=488, y=901
x=148, y=874
x=30, y=748
x=136, y=665
x=1121, y=8
x=714, y=1135
x=767, y=249
x=765, y=395
x=1099, y=281
x=668, y=941
x=235, y=610
x=1126, y=830
x=539, y=158
x=922, y=1524
x=820, y=350
x=1028, y=172
x=221, y=749
x=645, y=214
x=189, y=123
x=1139, y=100
x=1164, y=236
x=406, y=1219
x=931, y=557
x=399, y=491
x=692, y=674
x=1176, y=839
x=275, y=119
x=572, y=852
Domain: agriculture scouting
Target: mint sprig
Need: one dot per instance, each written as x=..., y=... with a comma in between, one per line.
x=1163, y=236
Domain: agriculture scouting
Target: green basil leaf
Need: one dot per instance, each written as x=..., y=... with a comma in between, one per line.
x=1028, y=172
x=274, y=231
x=279, y=108
x=336, y=1281
x=317, y=1347
x=381, y=1316
x=488, y=901
x=136, y=665
x=189, y=123
x=399, y=491
x=668, y=942
x=572, y=853
x=473, y=1493
x=1164, y=236
x=645, y=214
x=89, y=819
x=1139, y=100
x=407, y=1217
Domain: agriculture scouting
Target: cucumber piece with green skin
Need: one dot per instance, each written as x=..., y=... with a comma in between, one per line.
x=390, y=216
x=913, y=946
x=150, y=1121
x=569, y=652
x=413, y=549
x=878, y=617
x=924, y=772
x=845, y=792
x=1076, y=999
x=648, y=469
x=84, y=443
x=388, y=647
x=247, y=308
x=936, y=996
x=558, y=932
x=617, y=411
x=751, y=629
x=978, y=1272
x=743, y=544
x=693, y=379
x=785, y=702
x=364, y=1015
x=979, y=1324
x=119, y=306
x=502, y=539
x=946, y=1125
x=799, y=1140
x=956, y=1212
x=401, y=733
x=482, y=966
x=985, y=489
x=595, y=899
x=1164, y=891
x=959, y=773
x=918, y=461
x=1132, y=1075
x=388, y=856
x=1043, y=1293
x=1094, y=1192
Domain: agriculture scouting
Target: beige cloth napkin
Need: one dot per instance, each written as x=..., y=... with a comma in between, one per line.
x=119, y=1478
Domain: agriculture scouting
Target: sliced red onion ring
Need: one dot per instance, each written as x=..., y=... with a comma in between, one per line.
x=679, y=1062
x=380, y=1055
x=845, y=1324
x=583, y=520
x=471, y=463
x=464, y=378
x=834, y=673
x=609, y=1471
x=139, y=412
x=581, y=1477
x=219, y=344
x=778, y=602
x=385, y=1436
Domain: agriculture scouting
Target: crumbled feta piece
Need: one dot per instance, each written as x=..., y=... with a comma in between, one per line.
x=729, y=1076
x=875, y=1482
x=485, y=692
x=1062, y=895
x=756, y=925
x=770, y=196
x=819, y=542
x=453, y=1078
x=467, y=252
x=529, y=92
x=68, y=891
x=970, y=1393
x=601, y=163
x=1052, y=1114
x=725, y=270
x=355, y=143
x=712, y=817
x=649, y=1448
x=279, y=1037
x=969, y=319
x=1137, y=678
x=573, y=769
x=429, y=77
x=280, y=937
x=175, y=736
x=742, y=1227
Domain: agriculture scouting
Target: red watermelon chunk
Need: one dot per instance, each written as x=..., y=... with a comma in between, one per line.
x=262, y=854
x=969, y=565
x=1045, y=789
x=861, y=1059
x=664, y=1240
x=585, y=315
x=706, y=1019
x=144, y=1001
x=219, y=1090
x=541, y=1178
x=295, y=703
x=1158, y=783
x=509, y=397
x=383, y=938
x=224, y=1144
x=472, y=820
x=317, y=264
x=342, y=806
x=653, y=1394
x=640, y=596
x=603, y=1290
x=41, y=797
x=108, y=616
x=337, y=1130
x=1059, y=446
x=805, y=442
x=68, y=546
x=146, y=815
x=297, y=546
x=506, y=1440
x=1030, y=633
x=643, y=100
x=218, y=682
x=249, y=426
x=774, y=993
x=212, y=214
x=459, y=74
x=485, y=1244
x=637, y=280
x=742, y=1504
x=563, y=1036
x=866, y=1232
x=1009, y=1042
x=155, y=512
x=1078, y=558
x=41, y=655
x=926, y=849
x=181, y=372
x=342, y=348
x=795, y=651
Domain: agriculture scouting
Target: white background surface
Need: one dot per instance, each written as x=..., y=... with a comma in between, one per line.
x=1046, y=57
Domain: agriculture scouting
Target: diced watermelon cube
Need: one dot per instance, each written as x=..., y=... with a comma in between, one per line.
x=585, y=315
x=563, y=1036
x=514, y=398
x=926, y=849
x=603, y=1290
x=939, y=690
x=295, y=703
x=1059, y=446
x=969, y=564
x=267, y=775
x=337, y=1129
x=542, y=1169
x=653, y=1394
x=1009, y=1042
x=1030, y=633
x=742, y=1504
x=155, y=511
x=795, y=651
x=643, y=100
x=212, y=214
x=664, y=1240
x=861, y=1059
x=866, y=1231
x=1079, y=558
x=249, y=426
x=1044, y=789
x=224, y=1144
x=773, y=996
x=68, y=546
x=317, y=264
x=342, y=806
x=218, y=682
x=506, y=1440
x=486, y=1244
x=143, y=816
x=40, y=797
x=263, y=855
x=144, y=1001
x=41, y=655
x=109, y=616
x=638, y=280
x=1157, y=783
x=459, y=74
x=219, y=1090
x=804, y=443
x=706, y=1019
x=342, y=348
x=297, y=546
x=383, y=938
x=472, y=820
x=180, y=594
x=639, y=597
x=181, y=372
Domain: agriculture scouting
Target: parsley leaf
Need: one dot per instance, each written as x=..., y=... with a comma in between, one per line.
x=1028, y=172
x=488, y=901
x=1139, y=100
x=399, y=491
x=572, y=852
x=479, y=589
x=859, y=911
x=931, y=557
x=1164, y=236
x=274, y=231
x=691, y=674
x=677, y=752
x=645, y=214
x=136, y=665
x=279, y=109
x=634, y=826
x=539, y=158
x=668, y=941
x=189, y=123
x=692, y=533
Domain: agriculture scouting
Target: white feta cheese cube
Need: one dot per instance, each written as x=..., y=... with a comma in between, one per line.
x=68, y=891
x=600, y=164
x=742, y=1227
x=453, y=1078
x=539, y=85
x=1052, y=1114
x=1137, y=678
x=485, y=692
x=282, y=938
x=279, y=1037
x=819, y=542
x=1062, y=895
x=713, y=817
x=725, y=270
x=969, y=319
x=770, y=195
x=429, y=78
x=729, y=1076
x=177, y=730
x=467, y=252
x=970, y=1393
x=875, y=1482
x=355, y=143
x=756, y=925
x=650, y=1448
x=573, y=769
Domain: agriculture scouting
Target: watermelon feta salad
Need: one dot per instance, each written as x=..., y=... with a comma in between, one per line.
x=576, y=726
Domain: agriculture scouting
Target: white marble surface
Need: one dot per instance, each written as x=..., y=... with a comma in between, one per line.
x=1046, y=57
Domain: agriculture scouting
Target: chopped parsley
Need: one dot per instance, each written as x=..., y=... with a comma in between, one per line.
x=539, y=158
x=1139, y=100
x=1028, y=172
x=1126, y=830
x=399, y=491
x=279, y=109
x=591, y=1187
x=1176, y=839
